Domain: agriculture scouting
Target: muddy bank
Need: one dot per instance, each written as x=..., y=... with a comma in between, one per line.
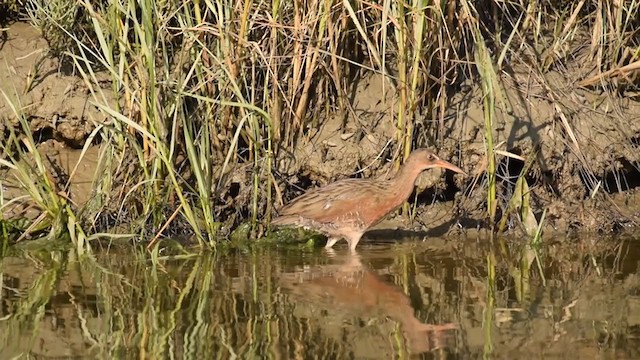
x=585, y=143
x=49, y=92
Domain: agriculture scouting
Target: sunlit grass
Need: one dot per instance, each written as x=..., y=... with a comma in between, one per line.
x=55, y=212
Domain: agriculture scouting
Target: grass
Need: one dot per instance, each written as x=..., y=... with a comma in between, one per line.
x=203, y=97
x=55, y=214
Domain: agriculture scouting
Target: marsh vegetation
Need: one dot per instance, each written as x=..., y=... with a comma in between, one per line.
x=208, y=115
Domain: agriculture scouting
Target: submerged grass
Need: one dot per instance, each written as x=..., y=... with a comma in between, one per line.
x=126, y=303
x=204, y=100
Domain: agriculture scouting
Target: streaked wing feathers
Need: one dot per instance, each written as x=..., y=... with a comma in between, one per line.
x=339, y=201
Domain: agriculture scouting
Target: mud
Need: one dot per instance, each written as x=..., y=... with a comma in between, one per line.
x=586, y=143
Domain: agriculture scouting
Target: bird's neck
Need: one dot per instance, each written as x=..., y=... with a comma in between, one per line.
x=405, y=180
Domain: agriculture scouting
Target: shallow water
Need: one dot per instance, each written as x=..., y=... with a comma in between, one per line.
x=435, y=299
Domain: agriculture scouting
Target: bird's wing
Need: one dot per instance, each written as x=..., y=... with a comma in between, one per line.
x=339, y=201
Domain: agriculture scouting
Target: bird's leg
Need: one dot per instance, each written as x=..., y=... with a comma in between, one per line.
x=353, y=242
x=330, y=242
x=330, y=252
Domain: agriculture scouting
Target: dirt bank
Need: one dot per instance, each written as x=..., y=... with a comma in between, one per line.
x=586, y=143
x=585, y=146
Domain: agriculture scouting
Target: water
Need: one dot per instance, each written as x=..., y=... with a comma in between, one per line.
x=435, y=299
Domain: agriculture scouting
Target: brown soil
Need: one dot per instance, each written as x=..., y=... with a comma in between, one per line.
x=580, y=134
x=58, y=106
x=57, y=103
x=535, y=114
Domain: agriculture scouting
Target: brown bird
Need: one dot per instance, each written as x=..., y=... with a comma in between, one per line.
x=346, y=288
x=346, y=209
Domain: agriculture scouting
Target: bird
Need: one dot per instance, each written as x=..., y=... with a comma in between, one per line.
x=345, y=287
x=347, y=208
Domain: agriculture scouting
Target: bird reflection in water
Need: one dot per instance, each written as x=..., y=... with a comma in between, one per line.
x=350, y=289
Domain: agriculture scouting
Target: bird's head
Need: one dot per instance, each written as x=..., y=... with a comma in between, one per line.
x=425, y=159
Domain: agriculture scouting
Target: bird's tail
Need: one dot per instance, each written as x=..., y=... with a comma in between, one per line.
x=285, y=220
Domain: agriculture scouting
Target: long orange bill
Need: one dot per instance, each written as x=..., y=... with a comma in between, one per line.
x=448, y=165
